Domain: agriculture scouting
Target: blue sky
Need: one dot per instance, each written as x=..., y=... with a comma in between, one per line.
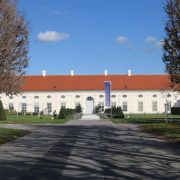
x=89, y=36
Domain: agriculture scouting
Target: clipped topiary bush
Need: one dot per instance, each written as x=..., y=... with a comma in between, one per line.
x=2, y=112
x=119, y=113
x=62, y=114
x=79, y=108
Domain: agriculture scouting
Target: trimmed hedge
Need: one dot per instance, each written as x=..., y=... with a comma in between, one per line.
x=2, y=112
x=6, y=112
x=116, y=112
x=64, y=113
x=175, y=110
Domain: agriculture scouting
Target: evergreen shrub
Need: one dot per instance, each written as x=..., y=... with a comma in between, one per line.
x=2, y=112
x=116, y=112
x=79, y=108
x=7, y=112
x=62, y=114
x=175, y=110
x=119, y=113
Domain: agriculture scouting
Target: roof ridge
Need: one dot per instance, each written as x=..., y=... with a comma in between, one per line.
x=104, y=75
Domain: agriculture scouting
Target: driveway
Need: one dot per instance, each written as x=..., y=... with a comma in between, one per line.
x=96, y=150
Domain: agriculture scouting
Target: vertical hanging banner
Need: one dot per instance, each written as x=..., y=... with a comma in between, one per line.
x=107, y=87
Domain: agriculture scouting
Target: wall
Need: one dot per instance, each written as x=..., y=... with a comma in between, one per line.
x=70, y=99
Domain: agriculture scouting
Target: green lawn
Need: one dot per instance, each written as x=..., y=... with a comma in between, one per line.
x=170, y=131
x=28, y=119
x=155, y=123
x=144, y=118
x=7, y=135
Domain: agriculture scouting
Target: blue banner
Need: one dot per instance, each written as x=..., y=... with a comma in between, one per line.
x=107, y=87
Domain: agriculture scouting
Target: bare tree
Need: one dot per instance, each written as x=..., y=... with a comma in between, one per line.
x=14, y=40
x=171, y=47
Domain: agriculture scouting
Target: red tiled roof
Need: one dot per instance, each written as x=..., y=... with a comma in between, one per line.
x=94, y=82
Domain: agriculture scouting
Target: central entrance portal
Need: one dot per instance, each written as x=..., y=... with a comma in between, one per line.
x=89, y=105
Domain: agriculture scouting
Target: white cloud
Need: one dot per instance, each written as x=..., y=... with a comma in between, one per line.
x=148, y=49
x=159, y=43
x=150, y=39
x=52, y=36
x=121, y=39
x=52, y=11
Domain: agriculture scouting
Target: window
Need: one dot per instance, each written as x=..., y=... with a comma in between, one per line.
x=113, y=96
x=36, y=97
x=140, y=106
x=140, y=95
x=154, y=106
x=49, y=107
x=24, y=107
x=11, y=107
x=63, y=96
x=124, y=106
x=124, y=96
x=89, y=98
x=23, y=97
x=113, y=104
x=154, y=95
x=101, y=96
x=10, y=97
x=63, y=105
x=77, y=96
x=76, y=104
x=48, y=96
x=36, y=107
x=101, y=106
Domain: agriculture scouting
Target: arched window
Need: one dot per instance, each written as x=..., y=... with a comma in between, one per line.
x=23, y=97
x=77, y=96
x=48, y=96
x=89, y=98
x=140, y=95
x=124, y=96
x=36, y=97
x=63, y=96
x=101, y=96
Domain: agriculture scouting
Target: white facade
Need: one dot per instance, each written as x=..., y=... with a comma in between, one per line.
x=131, y=101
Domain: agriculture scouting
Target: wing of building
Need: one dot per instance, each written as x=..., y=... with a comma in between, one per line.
x=134, y=93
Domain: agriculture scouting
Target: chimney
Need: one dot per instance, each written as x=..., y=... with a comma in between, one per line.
x=44, y=73
x=72, y=73
x=129, y=72
x=105, y=72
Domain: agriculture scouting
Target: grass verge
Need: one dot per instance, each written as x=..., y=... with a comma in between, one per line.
x=144, y=118
x=155, y=123
x=7, y=135
x=33, y=120
x=170, y=131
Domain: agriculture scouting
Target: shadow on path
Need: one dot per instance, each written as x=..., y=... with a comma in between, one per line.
x=89, y=152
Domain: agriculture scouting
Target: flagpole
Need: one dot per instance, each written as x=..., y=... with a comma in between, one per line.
x=110, y=103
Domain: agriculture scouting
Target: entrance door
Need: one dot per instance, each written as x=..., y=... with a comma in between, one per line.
x=89, y=107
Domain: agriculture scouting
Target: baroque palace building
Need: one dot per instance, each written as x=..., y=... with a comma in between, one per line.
x=134, y=93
